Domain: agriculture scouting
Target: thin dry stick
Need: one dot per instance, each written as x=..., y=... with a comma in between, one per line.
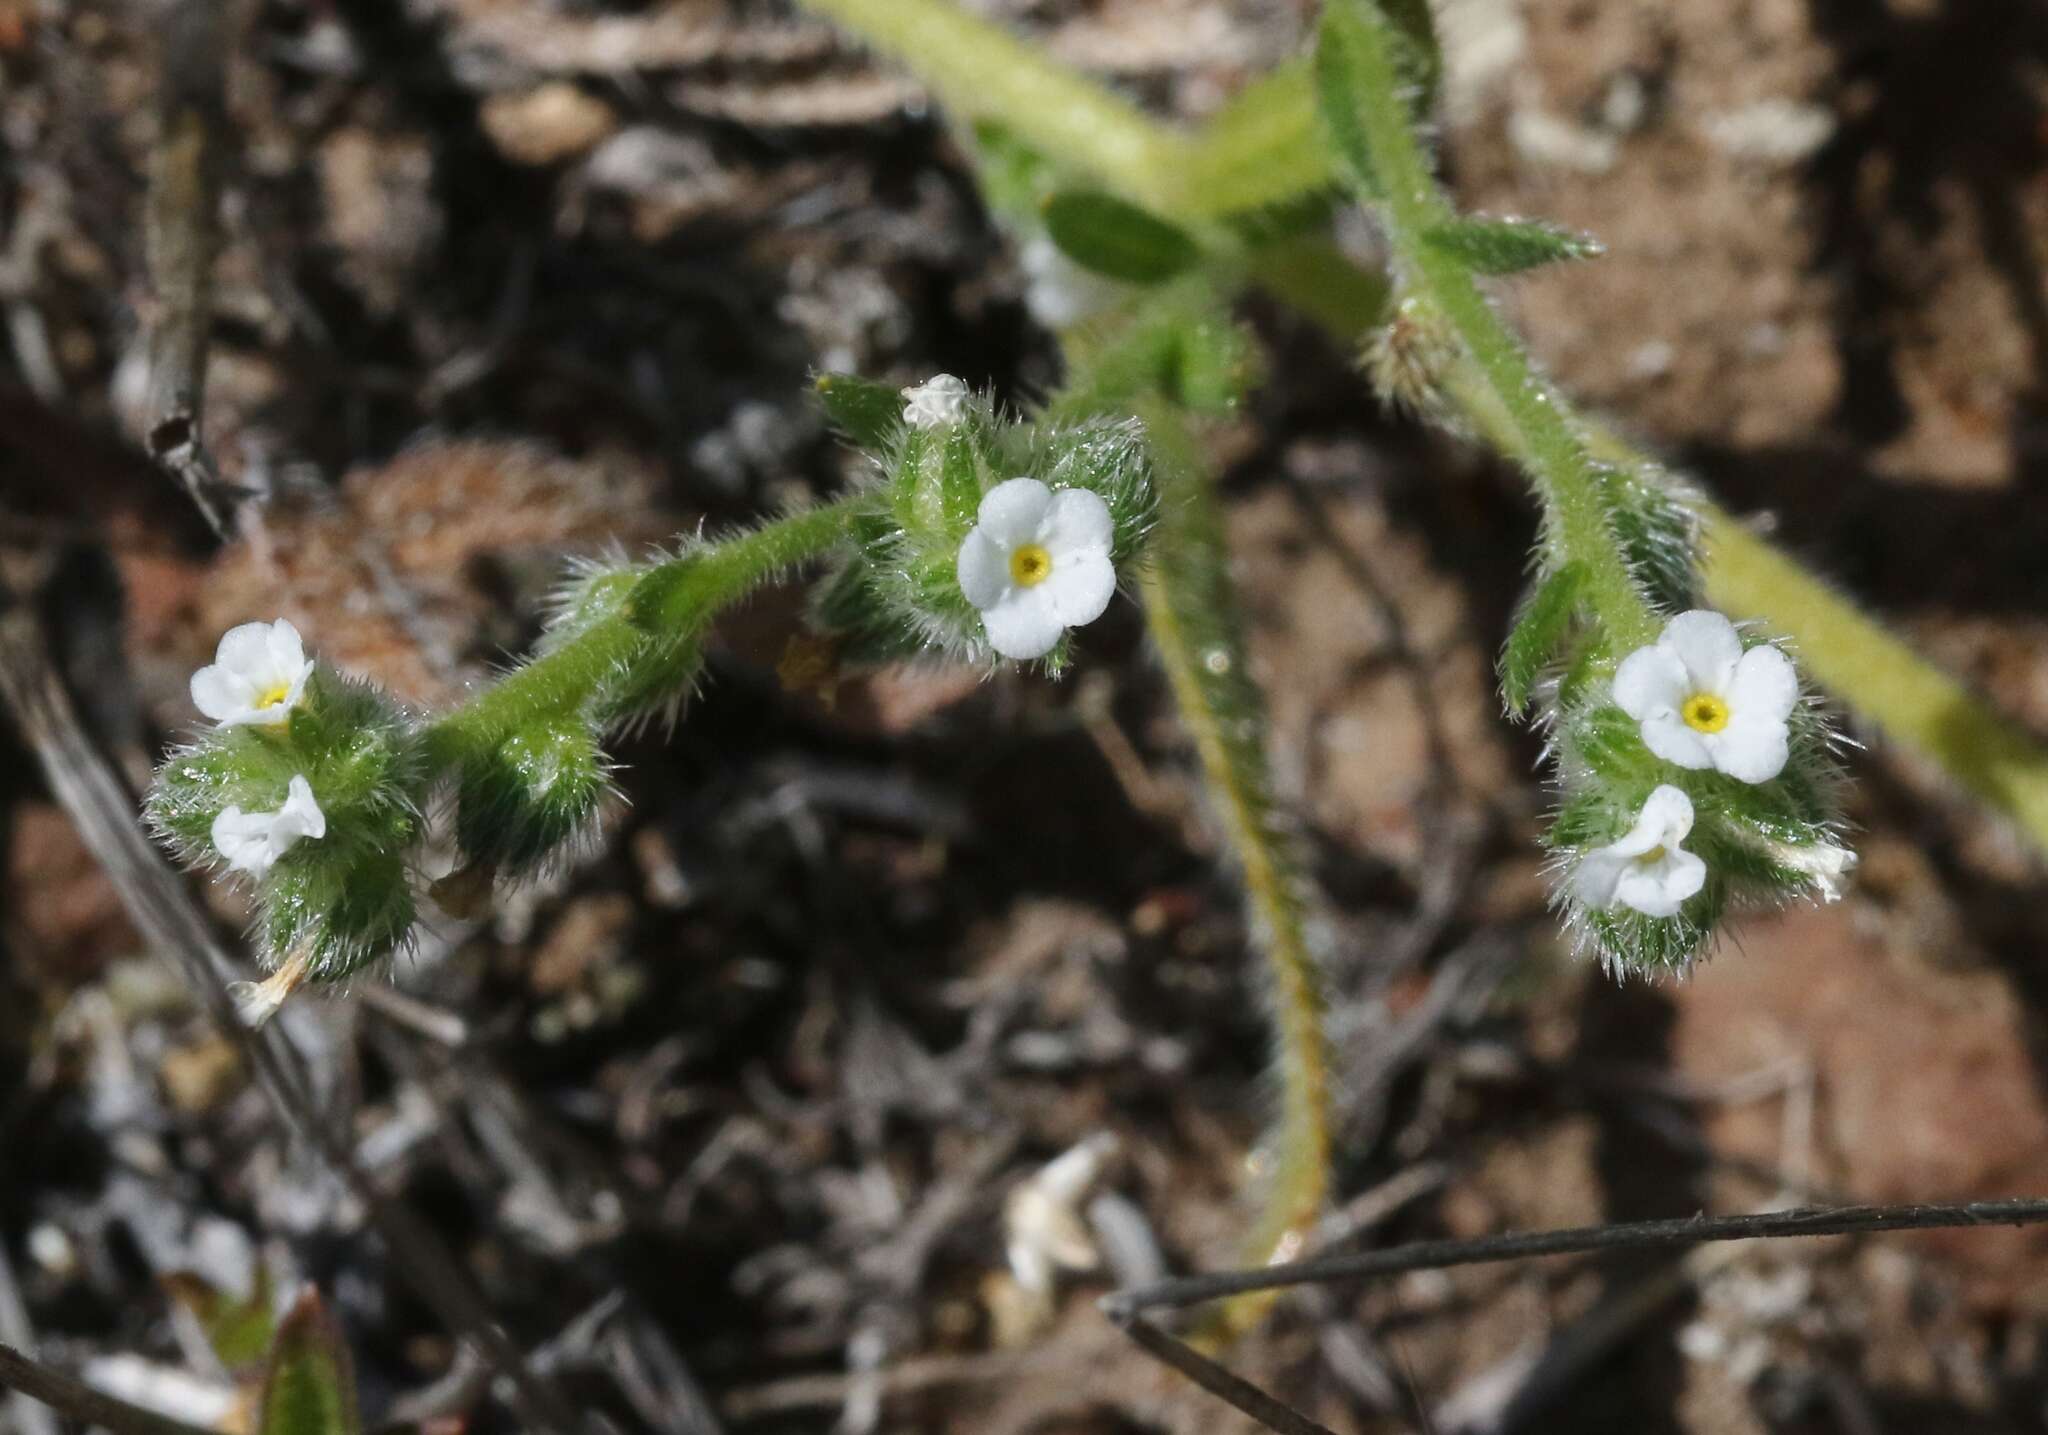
x=1121, y=1306
x=29, y=1417
x=182, y=234
x=81, y=1402
x=1240, y=1394
x=86, y=784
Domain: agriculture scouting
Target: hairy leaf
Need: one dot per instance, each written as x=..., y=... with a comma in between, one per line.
x=1340, y=90
x=1539, y=632
x=869, y=413
x=1509, y=246
x=310, y=1389
x=1112, y=237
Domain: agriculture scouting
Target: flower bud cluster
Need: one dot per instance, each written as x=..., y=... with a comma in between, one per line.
x=310, y=787
x=988, y=538
x=982, y=537
x=1695, y=778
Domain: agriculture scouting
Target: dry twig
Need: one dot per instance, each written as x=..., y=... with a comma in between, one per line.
x=183, y=236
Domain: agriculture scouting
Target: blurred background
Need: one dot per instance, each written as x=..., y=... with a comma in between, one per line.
x=727, y=1122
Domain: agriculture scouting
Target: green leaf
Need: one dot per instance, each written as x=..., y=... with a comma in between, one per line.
x=1539, y=632
x=869, y=413
x=1509, y=246
x=239, y=1331
x=1305, y=213
x=1015, y=177
x=1421, y=58
x=1657, y=531
x=1340, y=90
x=1117, y=239
x=310, y=1389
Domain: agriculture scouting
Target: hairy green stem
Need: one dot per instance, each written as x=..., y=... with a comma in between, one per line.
x=1411, y=203
x=983, y=71
x=1879, y=678
x=670, y=602
x=1191, y=609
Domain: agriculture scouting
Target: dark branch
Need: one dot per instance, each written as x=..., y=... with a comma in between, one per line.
x=183, y=236
x=1238, y=1393
x=1123, y=1306
x=81, y=1402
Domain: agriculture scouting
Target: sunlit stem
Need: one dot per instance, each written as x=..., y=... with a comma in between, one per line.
x=1191, y=608
x=683, y=596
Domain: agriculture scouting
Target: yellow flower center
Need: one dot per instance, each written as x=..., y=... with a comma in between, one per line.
x=271, y=697
x=1030, y=565
x=1655, y=854
x=1703, y=712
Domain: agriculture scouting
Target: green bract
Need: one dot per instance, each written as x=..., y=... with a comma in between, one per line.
x=531, y=799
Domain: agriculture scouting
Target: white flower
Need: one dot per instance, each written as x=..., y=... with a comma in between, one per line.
x=1042, y=1224
x=258, y=675
x=1037, y=564
x=1646, y=870
x=1823, y=864
x=938, y=401
x=1704, y=702
x=252, y=841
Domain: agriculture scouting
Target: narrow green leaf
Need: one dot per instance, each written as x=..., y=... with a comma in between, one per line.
x=310, y=1389
x=1340, y=91
x=1509, y=246
x=239, y=1331
x=1421, y=58
x=869, y=413
x=1307, y=213
x=1117, y=239
x=1539, y=632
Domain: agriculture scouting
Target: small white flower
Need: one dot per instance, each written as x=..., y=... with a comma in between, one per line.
x=938, y=401
x=1704, y=702
x=1821, y=863
x=1647, y=869
x=253, y=841
x=1037, y=564
x=1042, y=1224
x=258, y=675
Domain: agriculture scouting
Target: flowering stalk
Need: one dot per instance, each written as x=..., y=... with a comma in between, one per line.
x=1262, y=151
x=973, y=534
x=1191, y=609
x=634, y=619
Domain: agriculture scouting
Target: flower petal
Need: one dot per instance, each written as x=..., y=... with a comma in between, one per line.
x=287, y=650
x=1075, y=521
x=222, y=694
x=243, y=838
x=1660, y=888
x=1765, y=685
x=1595, y=878
x=1650, y=680
x=1663, y=820
x=1707, y=644
x=1081, y=586
x=300, y=816
x=939, y=400
x=1011, y=512
x=983, y=569
x=1751, y=749
x=1022, y=623
x=245, y=649
x=1666, y=734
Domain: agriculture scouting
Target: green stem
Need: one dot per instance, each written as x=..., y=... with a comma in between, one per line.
x=982, y=71
x=1411, y=204
x=670, y=603
x=1191, y=607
